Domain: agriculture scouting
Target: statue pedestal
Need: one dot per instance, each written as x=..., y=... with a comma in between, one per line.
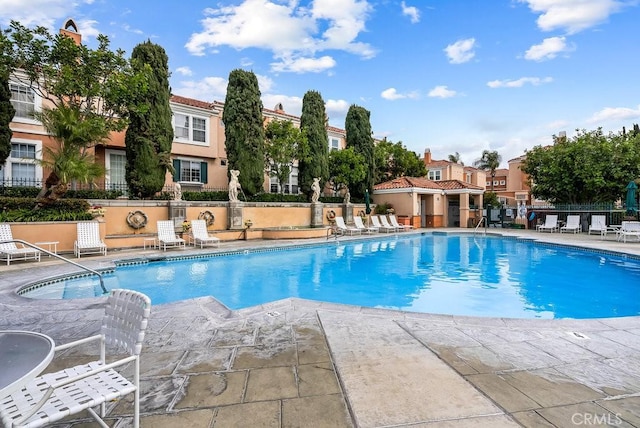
x=235, y=216
x=177, y=212
x=347, y=213
x=316, y=214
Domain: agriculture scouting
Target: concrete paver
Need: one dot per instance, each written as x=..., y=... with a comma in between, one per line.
x=296, y=363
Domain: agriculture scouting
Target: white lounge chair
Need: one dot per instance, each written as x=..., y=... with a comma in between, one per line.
x=200, y=235
x=629, y=229
x=381, y=228
x=167, y=237
x=550, y=224
x=394, y=222
x=357, y=221
x=10, y=251
x=343, y=229
x=88, y=240
x=598, y=225
x=54, y=396
x=385, y=223
x=573, y=224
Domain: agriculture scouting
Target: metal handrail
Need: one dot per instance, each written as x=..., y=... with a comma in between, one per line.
x=482, y=220
x=28, y=244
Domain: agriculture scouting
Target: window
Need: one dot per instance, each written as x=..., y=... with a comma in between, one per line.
x=20, y=168
x=435, y=175
x=468, y=175
x=190, y=128
x=223, y=162
x=334, y=144
x=290, y=186
x=116, y=164
x=191, y=171
x=23, y=100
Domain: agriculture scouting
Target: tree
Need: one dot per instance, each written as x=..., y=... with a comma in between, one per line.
x=393, y=160
x=455, y=158
x=347, y=168
x=315, y=162
x=489, y=161
x=6, y=116
x=358, y=129
x=88, y=94
x=150, y=133
x=589, y=168
x=283, y=145
x=244, y=130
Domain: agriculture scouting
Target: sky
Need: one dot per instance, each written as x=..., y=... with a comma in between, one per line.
x=449, y=75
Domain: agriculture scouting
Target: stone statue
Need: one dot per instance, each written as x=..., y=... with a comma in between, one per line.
x=347, y=195
x=315, y=187
x=177, y=192
x=234, y=186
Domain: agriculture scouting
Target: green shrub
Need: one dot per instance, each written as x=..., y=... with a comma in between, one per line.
x=382, y=208
x=23, y=210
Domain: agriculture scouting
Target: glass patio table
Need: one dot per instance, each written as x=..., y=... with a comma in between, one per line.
x=23, y=356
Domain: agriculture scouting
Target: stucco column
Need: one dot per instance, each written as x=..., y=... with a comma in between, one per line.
x=464, y=210
x=316, y=214
x=234, y=216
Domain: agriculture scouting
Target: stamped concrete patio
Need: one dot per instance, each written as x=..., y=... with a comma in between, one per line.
x=298, y=363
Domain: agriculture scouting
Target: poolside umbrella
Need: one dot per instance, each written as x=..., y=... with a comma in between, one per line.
x=632, y=207
x=367, y=206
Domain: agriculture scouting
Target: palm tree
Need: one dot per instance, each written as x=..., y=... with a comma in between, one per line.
x=490, y=161
x=455, y=158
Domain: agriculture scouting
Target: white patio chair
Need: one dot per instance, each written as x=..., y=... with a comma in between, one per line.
x=381, y=228
x=343, y=229
x=54, y=396
x=550, y=224
x=394, y=222
x=88, y=239
x=629, y=229
x=385, y=223
x=167, y=236
x=357, y=221
x=200, y=235
x=11, y=251
x=573, y=224
x=598, y=225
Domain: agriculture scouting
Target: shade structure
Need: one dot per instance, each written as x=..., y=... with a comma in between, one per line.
x=631, y=203
x=367, y=202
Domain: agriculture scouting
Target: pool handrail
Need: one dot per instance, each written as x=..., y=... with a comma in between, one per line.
x=58, y=256
x=482, y=220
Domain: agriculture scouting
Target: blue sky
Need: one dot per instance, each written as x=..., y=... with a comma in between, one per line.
x=449, y=75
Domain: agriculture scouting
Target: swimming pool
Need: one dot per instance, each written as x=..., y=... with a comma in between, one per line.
x=433, y=273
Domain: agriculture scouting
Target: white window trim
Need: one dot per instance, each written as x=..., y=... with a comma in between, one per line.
x=6, y=169
x=194, y=160
x=37, y=105
x=191, y=115
x=437, y=175
x=107, y=161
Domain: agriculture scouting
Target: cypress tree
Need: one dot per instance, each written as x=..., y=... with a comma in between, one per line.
x=6, y=116
x=312, y=122
x=244, y=130
x=150, y=133
x=358, y=129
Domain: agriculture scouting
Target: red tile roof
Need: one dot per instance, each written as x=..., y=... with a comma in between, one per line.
x=457, y=184
x=191, y=102
x=407, y=182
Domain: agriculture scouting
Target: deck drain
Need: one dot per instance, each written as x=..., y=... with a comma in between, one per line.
x=577, y=335
x=273, y=314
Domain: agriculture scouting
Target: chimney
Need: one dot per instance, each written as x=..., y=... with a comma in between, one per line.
x=427, y=156
x=71, y=30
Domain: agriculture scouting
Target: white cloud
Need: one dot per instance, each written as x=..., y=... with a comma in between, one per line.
x=614, y=114
x=87, y=28
x=392, y=94
x=535, y=81
x=572, y=16
x=265, y=83
x=303, y=65
x=292, y=32
x=46, y=13
x=207, y=89
x=412, y=12
x=461, y=51
x=337, y=111
x=548, y=49
x=185, y=71
x=442, y=92
x=292, y=105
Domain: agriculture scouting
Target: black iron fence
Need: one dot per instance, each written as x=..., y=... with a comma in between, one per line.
x=614, y=214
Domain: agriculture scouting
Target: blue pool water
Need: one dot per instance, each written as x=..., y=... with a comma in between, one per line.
x=447, y=274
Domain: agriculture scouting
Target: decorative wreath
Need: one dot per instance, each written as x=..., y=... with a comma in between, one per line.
x=207, y=216
x=331, y=215
x=137, y=219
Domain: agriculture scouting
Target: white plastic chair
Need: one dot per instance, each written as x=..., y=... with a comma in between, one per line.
x=88, y=239
x=10, y=251
x=394, y=222
x=201, y=236
x=167, y=235
x=550, y=224
x=573, y=224
x=598, y=225
x=629, y=229
x=381, y=228
x=344, y=229
x=357, y=221
x=54, y=396
x=385, y=223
